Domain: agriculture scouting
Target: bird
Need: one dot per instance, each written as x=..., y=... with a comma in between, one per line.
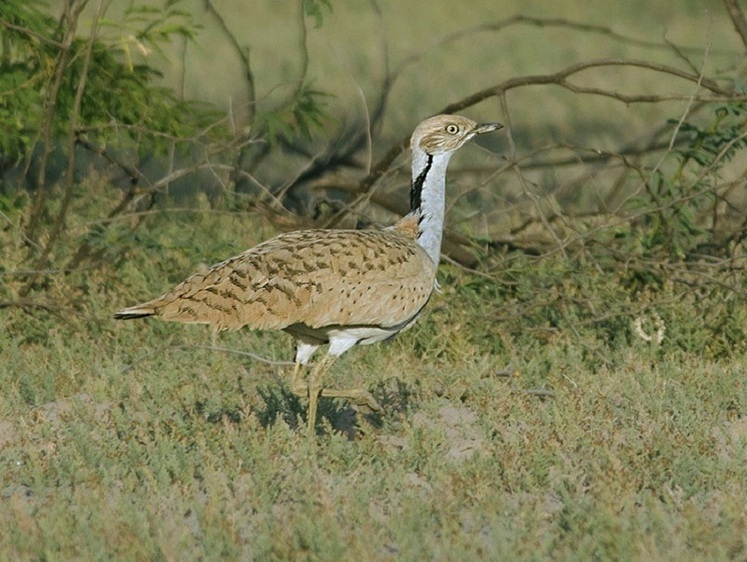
x=332, y=286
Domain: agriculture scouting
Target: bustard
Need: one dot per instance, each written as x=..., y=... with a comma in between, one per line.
x=341, y=287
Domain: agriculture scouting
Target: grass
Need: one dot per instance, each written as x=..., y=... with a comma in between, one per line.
x=116, y=443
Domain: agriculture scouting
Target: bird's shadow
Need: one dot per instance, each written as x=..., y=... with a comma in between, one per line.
x=395, y=396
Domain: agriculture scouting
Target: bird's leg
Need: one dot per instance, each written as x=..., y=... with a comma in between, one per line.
x=315, y=388
x=298, y=386
x=304, y=351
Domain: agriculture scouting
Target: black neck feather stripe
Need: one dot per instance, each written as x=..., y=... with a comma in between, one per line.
x=416, y=192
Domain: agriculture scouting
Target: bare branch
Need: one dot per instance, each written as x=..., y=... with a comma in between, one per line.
x=560, y=78
x=69, y=175
x=31, y=33
x=738, y=19
x=243, y=54
x=520, y=19
x=70, y=18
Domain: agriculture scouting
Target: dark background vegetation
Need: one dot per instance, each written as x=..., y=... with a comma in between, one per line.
x=594, y=251
x=112, y=114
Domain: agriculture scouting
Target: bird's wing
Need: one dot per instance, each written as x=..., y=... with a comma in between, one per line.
x=314, y=277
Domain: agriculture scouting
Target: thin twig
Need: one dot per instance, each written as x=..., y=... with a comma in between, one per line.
x=209, y=348
x=541, y=392
x=243, y=54
x=31, y=33
x=738, y=19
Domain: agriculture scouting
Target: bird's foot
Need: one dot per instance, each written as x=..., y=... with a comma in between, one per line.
x=363, y=399
x=360, y=398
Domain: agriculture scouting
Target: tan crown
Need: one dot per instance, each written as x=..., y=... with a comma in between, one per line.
x=446, y=133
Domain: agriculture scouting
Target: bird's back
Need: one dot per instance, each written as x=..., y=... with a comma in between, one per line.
x=315, y=278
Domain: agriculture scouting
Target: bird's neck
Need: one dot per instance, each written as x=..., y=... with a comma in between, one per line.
x=428, y=198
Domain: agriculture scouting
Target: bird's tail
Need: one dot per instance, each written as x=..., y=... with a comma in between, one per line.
x=137, y=311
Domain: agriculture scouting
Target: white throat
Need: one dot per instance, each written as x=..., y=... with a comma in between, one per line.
x=428, y=198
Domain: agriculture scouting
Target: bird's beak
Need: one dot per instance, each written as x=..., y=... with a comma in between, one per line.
x=486, y=128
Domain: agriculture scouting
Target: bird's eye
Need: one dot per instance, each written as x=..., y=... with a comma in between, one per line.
x=452, y=129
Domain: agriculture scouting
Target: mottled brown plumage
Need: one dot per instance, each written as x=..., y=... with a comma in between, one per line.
x=314, y=278
x=342, y=287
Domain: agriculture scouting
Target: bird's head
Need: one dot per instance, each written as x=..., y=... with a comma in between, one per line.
x=446, y=133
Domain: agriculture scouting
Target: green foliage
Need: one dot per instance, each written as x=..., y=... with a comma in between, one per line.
x=712, y=147
x=552, y=300
x=148, y=27
x=122, y=107
x=24, y=68
x=679, y=204
x=12, y=204
x=43, y=70
x=303, y=114
x=120, y=99
x=315, y=10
